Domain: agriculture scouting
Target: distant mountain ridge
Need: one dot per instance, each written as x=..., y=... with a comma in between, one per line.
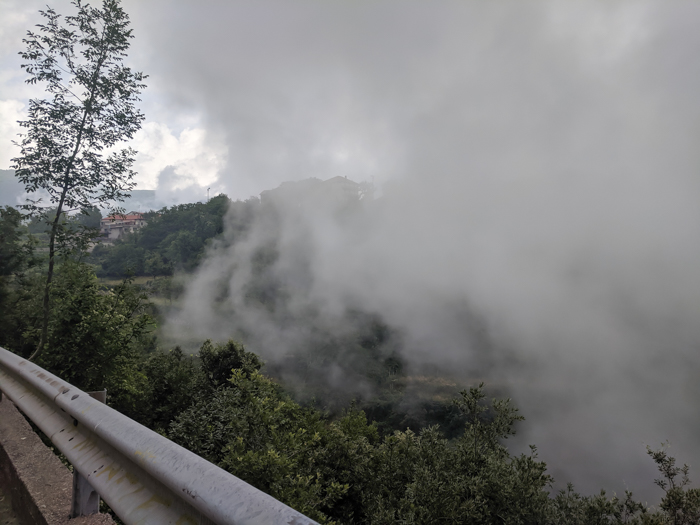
x=12, y=194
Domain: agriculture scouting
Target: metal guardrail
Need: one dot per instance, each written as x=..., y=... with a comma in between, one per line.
x=144, y=477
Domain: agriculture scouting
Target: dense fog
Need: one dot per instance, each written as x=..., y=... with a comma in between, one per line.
x=536, y=219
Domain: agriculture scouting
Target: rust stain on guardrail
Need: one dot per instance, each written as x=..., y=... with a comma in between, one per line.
x=155, y=499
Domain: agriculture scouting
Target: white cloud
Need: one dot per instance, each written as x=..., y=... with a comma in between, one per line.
x=10, y=112
x=196, y=155
x=16, y=20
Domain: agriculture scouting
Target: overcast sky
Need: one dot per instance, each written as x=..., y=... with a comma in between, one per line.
x=244, y=95
x=542, y=162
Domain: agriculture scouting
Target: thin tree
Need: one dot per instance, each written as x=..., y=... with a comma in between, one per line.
x=67, y=152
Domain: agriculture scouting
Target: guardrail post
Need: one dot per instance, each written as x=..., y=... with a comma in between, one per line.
x=86, y=500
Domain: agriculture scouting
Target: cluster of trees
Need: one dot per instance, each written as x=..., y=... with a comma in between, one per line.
x=173, y=239
x=344, y=471
x=89, y=220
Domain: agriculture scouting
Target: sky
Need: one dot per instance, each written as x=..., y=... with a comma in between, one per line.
x=244, y=95
x=538, y=161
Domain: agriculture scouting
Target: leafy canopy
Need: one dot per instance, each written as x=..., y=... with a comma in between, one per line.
x=91, y=107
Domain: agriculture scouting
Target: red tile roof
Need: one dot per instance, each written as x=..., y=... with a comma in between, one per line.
x=136, y=216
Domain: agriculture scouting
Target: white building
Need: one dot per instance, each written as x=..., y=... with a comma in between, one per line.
x=116, y=226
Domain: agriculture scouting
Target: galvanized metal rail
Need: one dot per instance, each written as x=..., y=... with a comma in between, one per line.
x=144, y=477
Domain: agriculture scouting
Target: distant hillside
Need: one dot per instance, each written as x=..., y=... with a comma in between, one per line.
x=173, y=238
x=11, y=191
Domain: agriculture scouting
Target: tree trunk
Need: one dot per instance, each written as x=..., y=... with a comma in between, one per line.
x=54, y=226
x=49, y=278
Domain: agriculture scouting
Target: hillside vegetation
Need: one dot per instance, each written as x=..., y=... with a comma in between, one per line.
x=174, y=239
x=348, y=463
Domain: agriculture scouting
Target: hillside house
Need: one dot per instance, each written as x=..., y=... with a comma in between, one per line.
x=116, y=226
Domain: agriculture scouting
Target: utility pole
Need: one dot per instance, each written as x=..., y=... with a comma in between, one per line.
x=208, y=194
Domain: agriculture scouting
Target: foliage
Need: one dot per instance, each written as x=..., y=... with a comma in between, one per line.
x=681, y=504
x=95, y=335
x=219, y=360
x=570, y=508
x=91, y=107
x=168, y=288
x=257, y=433
x=154, y=265
x=123, y=260
x=16, y=255
x=426, y=478
x=41, y=222
x=82, y=227
x=342, y=471
x=90, y=218
x=174, y=238
x=173, y=382
x=92, y=332
x=13, y=252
